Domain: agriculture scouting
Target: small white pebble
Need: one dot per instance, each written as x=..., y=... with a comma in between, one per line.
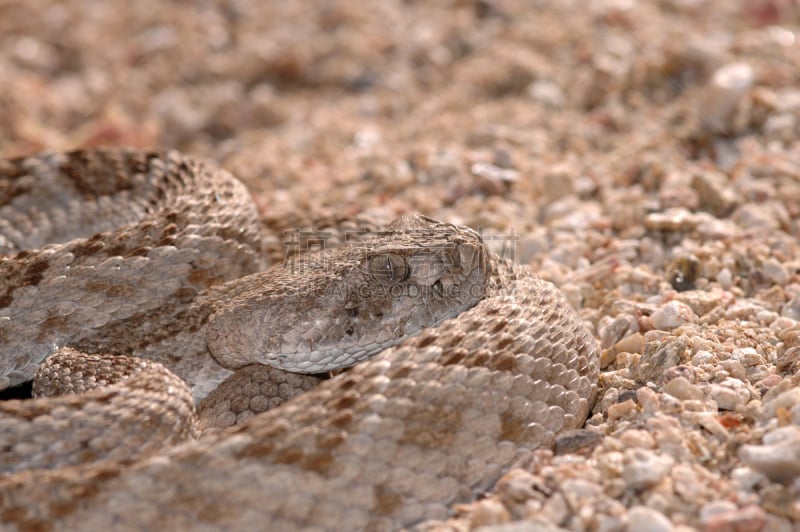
x=726, y=397
x=779, y=456
x=747, y=478
x=672, y=315
x=648, y=399
x=643, y=519
x=703, y=357
x=717, y=507
x=725, y=278
x=637, y=438
x=775, y=271
x=747, y=356
x=766, y=316
x=719, y=104
x=643, y=468
x=681, y=388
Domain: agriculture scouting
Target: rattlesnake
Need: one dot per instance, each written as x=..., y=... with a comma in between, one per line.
x=159, y=256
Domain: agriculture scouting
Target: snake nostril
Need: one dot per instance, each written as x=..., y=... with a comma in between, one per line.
x=438, y=288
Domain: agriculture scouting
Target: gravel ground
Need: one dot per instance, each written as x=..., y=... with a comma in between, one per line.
x=641, y=155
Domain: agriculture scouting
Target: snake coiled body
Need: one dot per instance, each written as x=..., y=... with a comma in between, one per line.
x=166, y=264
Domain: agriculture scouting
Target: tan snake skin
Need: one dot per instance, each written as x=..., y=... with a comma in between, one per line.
x=177, y=278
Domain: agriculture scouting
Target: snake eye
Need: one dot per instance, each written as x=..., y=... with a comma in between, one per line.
x=388, y=268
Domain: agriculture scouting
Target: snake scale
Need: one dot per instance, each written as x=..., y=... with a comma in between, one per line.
x=136, y=283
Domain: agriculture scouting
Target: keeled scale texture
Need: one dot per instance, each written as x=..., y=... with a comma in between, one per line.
x=127, y=407
x=395, y=440
x=187, y=226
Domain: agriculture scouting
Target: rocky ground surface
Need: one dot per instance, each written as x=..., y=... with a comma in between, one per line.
x=641, y=155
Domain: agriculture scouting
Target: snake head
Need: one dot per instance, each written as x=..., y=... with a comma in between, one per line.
x=331, y=309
